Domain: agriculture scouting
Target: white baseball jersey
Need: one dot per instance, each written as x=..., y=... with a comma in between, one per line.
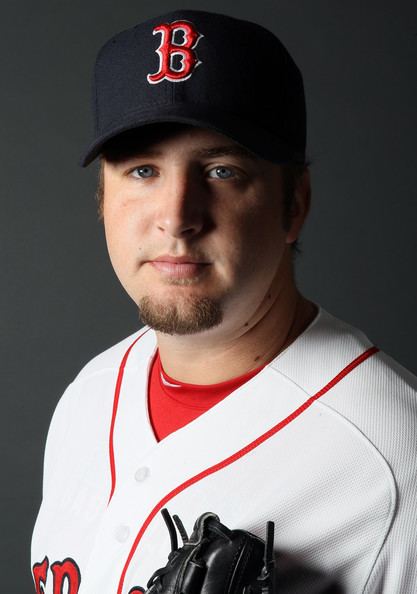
x=322, y=441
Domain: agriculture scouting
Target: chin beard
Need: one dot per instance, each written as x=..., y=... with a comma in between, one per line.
x=185, y=316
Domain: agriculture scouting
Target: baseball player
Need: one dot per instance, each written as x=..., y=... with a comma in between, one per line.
x=239, y=395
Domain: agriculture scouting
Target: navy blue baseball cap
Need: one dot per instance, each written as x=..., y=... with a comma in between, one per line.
x=205, y=69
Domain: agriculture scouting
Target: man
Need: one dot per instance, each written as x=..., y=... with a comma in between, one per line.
x=239, y=396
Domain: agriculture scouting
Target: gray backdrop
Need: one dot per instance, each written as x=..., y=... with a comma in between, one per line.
x=62, y=304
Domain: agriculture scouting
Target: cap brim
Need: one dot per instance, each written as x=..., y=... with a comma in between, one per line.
x=257, y=140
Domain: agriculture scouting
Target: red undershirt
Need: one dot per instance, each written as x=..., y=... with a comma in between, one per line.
x=173, y=404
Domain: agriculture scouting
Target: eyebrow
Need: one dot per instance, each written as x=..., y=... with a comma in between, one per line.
x=224, y=151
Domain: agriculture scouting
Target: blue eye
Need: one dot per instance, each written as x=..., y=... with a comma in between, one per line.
x=222, y=172
x=142, y=171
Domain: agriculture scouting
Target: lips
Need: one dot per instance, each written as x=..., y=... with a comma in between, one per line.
x=177, y=259
x=178, y=266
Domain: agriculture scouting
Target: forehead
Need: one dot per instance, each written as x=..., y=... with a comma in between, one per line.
x=203, y=142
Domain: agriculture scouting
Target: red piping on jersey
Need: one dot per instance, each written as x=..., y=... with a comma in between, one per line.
x=114, y=414
x=239, y=454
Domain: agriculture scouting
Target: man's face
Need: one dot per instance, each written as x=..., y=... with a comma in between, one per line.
x=192, y=194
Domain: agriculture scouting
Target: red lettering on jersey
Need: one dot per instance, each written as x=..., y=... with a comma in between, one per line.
x=169, y=48
x=66, y=571
x=39, y=571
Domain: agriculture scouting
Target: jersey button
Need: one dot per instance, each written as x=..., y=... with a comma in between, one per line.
x=122, y=533
x=142, y=473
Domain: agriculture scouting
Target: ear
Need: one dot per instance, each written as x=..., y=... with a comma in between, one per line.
x=301, y=208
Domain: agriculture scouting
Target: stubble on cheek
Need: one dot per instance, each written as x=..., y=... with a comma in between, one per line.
x=187, y=315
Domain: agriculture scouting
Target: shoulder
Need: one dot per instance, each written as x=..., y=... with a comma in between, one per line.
x=378, y=376
x=378, y=398
x=329, y=345
x=92, y=389
x=364, y=387
x=118, y=354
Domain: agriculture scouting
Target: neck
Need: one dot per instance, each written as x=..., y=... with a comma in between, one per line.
x=223, y=354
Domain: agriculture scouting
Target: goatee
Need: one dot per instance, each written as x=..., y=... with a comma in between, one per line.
x=185, y=316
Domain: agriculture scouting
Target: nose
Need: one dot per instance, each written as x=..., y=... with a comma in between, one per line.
x=182, y=202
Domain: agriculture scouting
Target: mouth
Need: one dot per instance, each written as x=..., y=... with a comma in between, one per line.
x=178, y=269
x=178, y=259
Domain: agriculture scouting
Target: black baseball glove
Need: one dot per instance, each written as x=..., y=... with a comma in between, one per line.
x=214, y=560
